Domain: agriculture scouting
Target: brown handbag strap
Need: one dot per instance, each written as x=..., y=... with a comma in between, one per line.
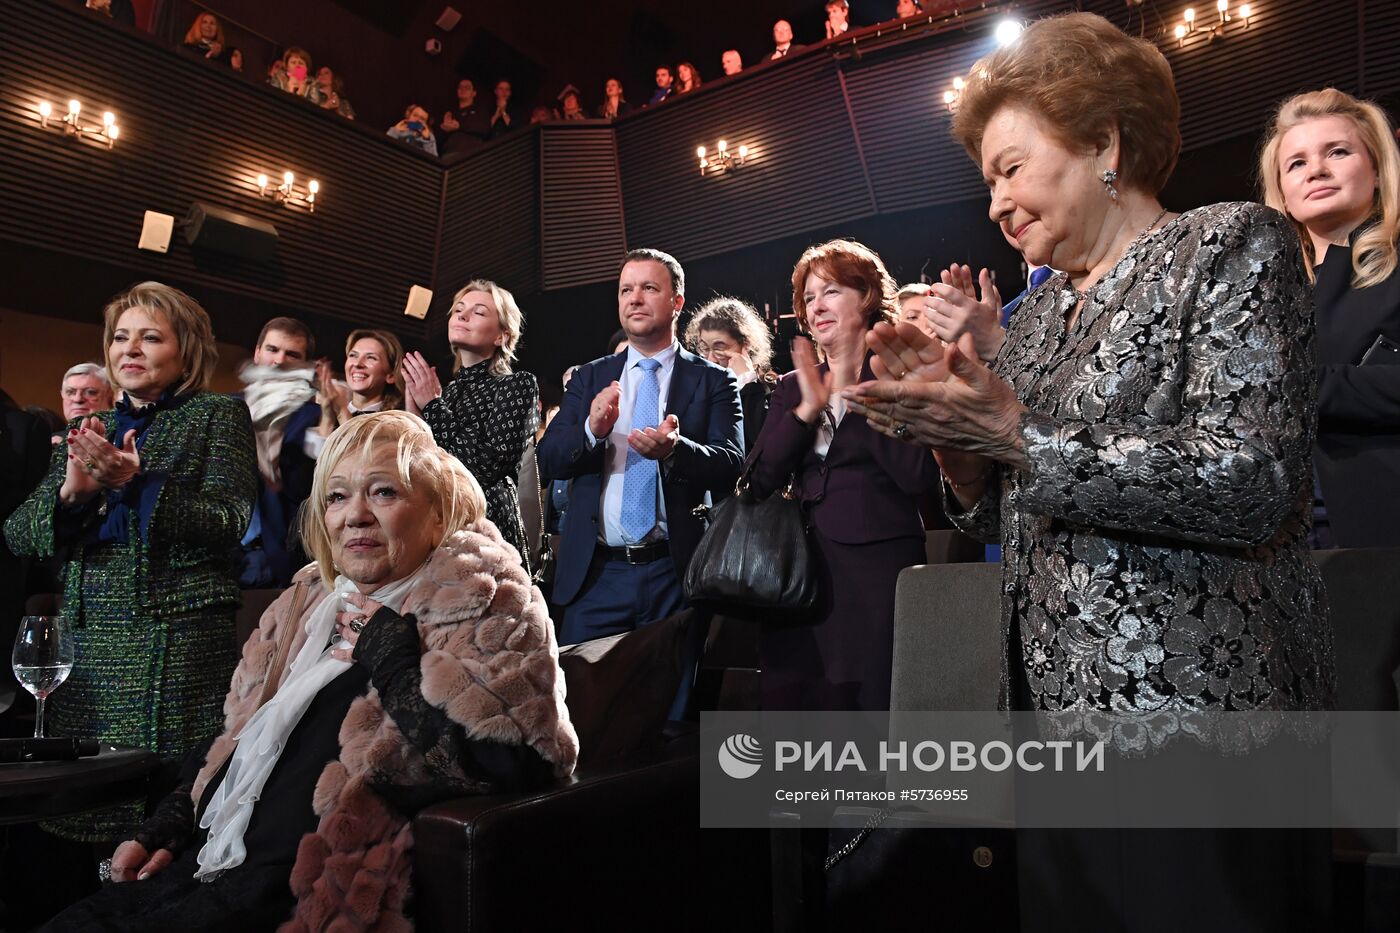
x=284, y=645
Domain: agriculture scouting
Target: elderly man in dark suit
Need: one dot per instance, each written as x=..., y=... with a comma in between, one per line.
x=643, y=434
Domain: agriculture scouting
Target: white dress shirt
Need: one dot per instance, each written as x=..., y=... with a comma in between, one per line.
x=615, y=457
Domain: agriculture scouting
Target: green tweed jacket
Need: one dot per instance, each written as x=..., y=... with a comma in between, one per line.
x=205, y=450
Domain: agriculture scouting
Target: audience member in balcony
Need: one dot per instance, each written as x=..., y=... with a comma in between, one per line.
x=503, y=117
x=644, y=435
x=279, y=390
x=395, y=687
x=373, y=382
x=664, y=85
x=731, y=62
x=416, y=129
x=859, y=488
x=332, y=90
x=148, y=500
x=838, y=17
x=912, y=306
x=1141, y=446
x=85, y=391
x=120, y=10
x=205, y=38
x=903, y=9
x=613, y=105
x=729, y=333
x=687, y=78
x=540, y=113
x=782, y=40
x=1330, y=163
x=570, y=108
x=294, y=76
x=487, y=413
x=465, y=126
x=235, y=59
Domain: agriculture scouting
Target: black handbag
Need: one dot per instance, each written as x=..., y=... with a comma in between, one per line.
x=754, y=560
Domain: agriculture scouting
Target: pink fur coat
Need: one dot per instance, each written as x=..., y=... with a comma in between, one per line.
x=490, y=663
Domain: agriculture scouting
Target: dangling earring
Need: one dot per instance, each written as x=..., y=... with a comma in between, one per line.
x=1109, y=176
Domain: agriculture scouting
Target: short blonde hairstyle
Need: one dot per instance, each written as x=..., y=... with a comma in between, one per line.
x=194, y=335
x=1083, y=76
x=740, y=321
x=912, y=290
x=1374, y=256
x=853, y=265
x=393, y=355
x=454, y=493
x=508, y=315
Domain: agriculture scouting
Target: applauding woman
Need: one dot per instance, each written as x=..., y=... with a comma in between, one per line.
x=486, y=413
x=148, y=501
x=859, y=489
x=1330, y=164
x=379, y=683
x=373, y=380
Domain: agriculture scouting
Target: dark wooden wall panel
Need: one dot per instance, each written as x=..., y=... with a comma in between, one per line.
x=581, y=226
x=490, y=224
x=191, y=133
x=1381, y=47
x=1230, y=86
x=896, y=90
x=805, y=169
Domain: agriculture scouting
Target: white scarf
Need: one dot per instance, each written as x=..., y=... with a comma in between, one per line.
x=263, y=738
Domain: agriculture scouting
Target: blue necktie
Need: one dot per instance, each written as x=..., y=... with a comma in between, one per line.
x=640, y=475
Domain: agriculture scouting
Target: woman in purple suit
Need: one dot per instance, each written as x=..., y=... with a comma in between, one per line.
x=859, y=488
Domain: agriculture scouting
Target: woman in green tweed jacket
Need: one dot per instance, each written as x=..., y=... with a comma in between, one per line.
x=147, y=502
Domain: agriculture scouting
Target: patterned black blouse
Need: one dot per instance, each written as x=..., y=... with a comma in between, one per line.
x=484, y=420
x=1156, y=562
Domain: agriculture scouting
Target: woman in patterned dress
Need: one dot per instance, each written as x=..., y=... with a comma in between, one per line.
x=487, y=413
x=148, y=501
x=1140, y=446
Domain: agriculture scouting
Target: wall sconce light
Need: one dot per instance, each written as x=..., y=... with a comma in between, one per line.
x=1188, y=29
x=953, y=96
x=287, y=193
x=722, y=160
x=72, y=123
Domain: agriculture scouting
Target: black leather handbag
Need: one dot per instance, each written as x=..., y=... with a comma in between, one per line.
x=754, y=560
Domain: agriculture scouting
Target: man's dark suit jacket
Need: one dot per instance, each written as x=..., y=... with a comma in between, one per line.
x=704, y=399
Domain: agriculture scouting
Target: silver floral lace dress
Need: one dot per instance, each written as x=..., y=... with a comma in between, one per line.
x=1155, y=560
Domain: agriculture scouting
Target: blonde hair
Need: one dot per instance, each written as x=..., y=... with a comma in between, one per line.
x=193, y=36
x=509, y=316
x=455, y=495
x=393, y=355
x=740, y=321
x=1083, y=76
x=1373, y=256
x=194, y=335
x=912, y=290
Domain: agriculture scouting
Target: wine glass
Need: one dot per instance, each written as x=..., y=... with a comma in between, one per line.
x=42, y=660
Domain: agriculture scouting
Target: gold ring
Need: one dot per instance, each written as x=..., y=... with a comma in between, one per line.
x=91, y=466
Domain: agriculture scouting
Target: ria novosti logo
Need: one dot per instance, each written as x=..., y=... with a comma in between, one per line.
x=741, y=756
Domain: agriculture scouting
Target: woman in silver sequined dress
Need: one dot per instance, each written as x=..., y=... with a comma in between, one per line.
x=1140, y=444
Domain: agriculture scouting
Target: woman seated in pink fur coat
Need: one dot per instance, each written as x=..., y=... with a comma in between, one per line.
x=414, y=661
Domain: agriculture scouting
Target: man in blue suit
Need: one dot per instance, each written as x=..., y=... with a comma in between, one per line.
x=643, y=434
